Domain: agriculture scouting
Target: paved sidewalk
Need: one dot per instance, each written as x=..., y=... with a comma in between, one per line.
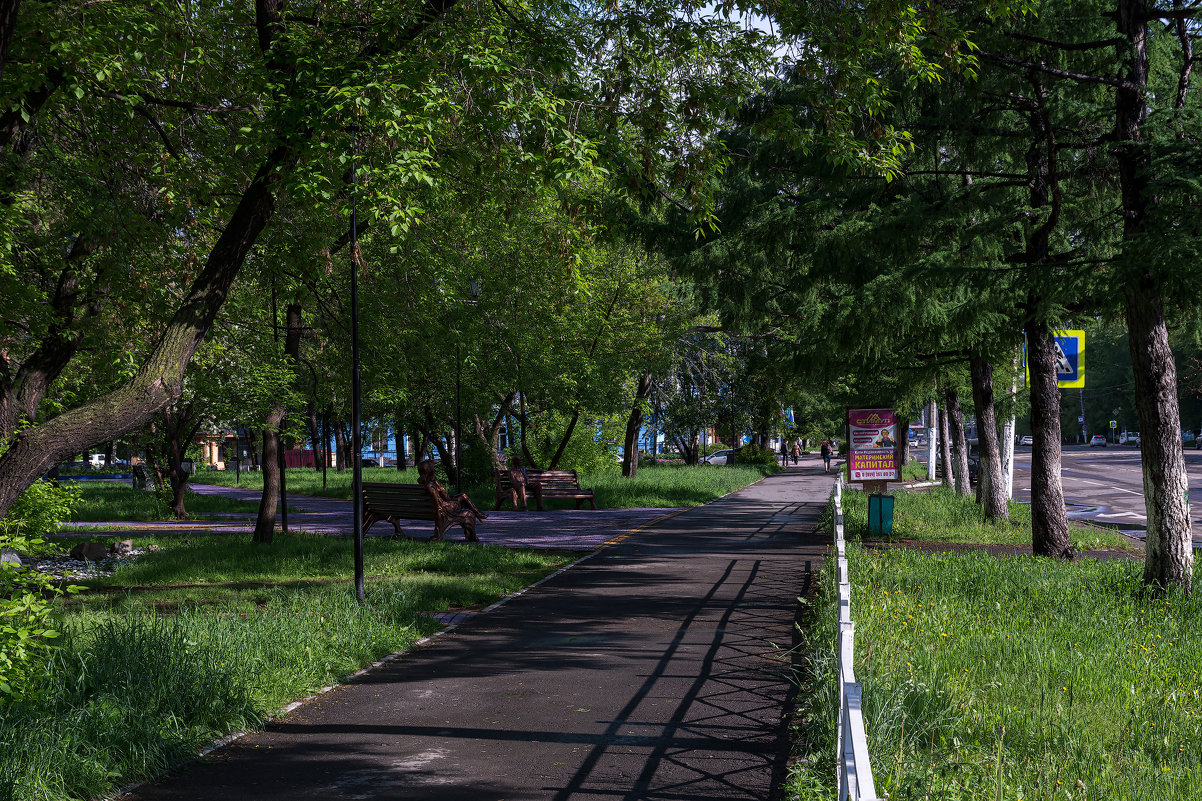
x=657, y=669
x=571, y=529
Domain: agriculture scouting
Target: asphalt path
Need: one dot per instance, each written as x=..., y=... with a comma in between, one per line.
x=658, y=669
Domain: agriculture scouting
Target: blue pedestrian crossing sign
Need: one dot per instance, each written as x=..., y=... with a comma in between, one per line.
x=1070, y=359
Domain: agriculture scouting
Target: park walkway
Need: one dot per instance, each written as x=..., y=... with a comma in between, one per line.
x=569, y=529
x=656, y=669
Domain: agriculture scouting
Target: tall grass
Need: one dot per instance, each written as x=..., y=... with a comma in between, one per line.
x=940, y=515
x=1013, y=678
x=208, y=636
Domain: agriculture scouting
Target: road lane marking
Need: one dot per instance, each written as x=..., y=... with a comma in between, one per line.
x=1125, y=514
x=1133, y=492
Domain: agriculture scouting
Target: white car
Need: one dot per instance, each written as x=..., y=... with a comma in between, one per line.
x=717, y=457
x=1027, y=440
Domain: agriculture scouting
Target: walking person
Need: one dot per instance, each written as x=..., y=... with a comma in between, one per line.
x=784, y=453
x=826, y=455
x=796, y=450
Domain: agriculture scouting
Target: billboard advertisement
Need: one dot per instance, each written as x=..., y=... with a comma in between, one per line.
x=872, y=445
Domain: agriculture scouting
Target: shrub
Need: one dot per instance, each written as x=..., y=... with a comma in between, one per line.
x=26, y=616
x=41, y=510
x=754, y=454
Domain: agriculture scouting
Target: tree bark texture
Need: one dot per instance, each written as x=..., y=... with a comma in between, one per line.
x=159, y=380
x=955, y=422
x=1049, y=518
x=989, y=462
x=1168, y=555
x=272, y=454
x=342, y=448
x=634, y=424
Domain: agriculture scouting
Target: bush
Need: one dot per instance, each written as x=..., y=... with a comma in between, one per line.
x=26, y=616
x=755, y=455
x=41, y=510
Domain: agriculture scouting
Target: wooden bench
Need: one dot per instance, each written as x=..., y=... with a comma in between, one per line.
x=504, y=488
x=396, y=502
x=557, y=484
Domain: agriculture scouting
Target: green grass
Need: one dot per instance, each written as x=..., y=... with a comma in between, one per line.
x=209, y=635
x=1012, y=678
x=306, y=480
x=101, y=501
x=654, y=487
x=940, y=515
x=667, y=486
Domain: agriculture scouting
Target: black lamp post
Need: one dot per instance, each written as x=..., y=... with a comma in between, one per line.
x=473, y=289
x=356, y=394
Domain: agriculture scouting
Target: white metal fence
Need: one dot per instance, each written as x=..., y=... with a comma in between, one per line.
x=855, y=770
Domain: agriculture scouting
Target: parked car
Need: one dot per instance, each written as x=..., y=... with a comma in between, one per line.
x=717, y=457
x=1097, y=440
x=1129, y=438
x=1027, y=439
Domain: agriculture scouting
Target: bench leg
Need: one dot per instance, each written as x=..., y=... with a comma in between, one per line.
x=440, y=530
x=592, y=504
x=397, y=533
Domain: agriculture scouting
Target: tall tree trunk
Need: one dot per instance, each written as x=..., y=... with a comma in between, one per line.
x=634, y=424
x=522, y=426
x=272, y=444
x=955, y=422
x=1049, y=518
x=563, y=442
x=421, y=451
x=1168, y=556
x=989, y=464
x=402, y=458
x=159, y=380
x=268, y=503
x=342, y=448
x=1168, y=552
x=314, y=434
x=945, y=447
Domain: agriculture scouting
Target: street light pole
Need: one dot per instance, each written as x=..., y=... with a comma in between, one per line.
x=458, y=421
x=474, y=290
x=356, y=394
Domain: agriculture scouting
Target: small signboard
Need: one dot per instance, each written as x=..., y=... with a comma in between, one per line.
x=1070, y=360
x=1114, y=423
x=873, y=452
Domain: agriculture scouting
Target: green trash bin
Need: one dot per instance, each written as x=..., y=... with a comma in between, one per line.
x=880, y=515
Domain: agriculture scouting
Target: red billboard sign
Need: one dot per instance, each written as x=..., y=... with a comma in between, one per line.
x=872, y=445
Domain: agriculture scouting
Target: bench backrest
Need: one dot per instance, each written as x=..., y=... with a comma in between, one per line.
x=556, y=479
x=410, y=501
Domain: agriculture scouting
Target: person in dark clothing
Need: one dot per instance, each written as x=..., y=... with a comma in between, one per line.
x=826, y=455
